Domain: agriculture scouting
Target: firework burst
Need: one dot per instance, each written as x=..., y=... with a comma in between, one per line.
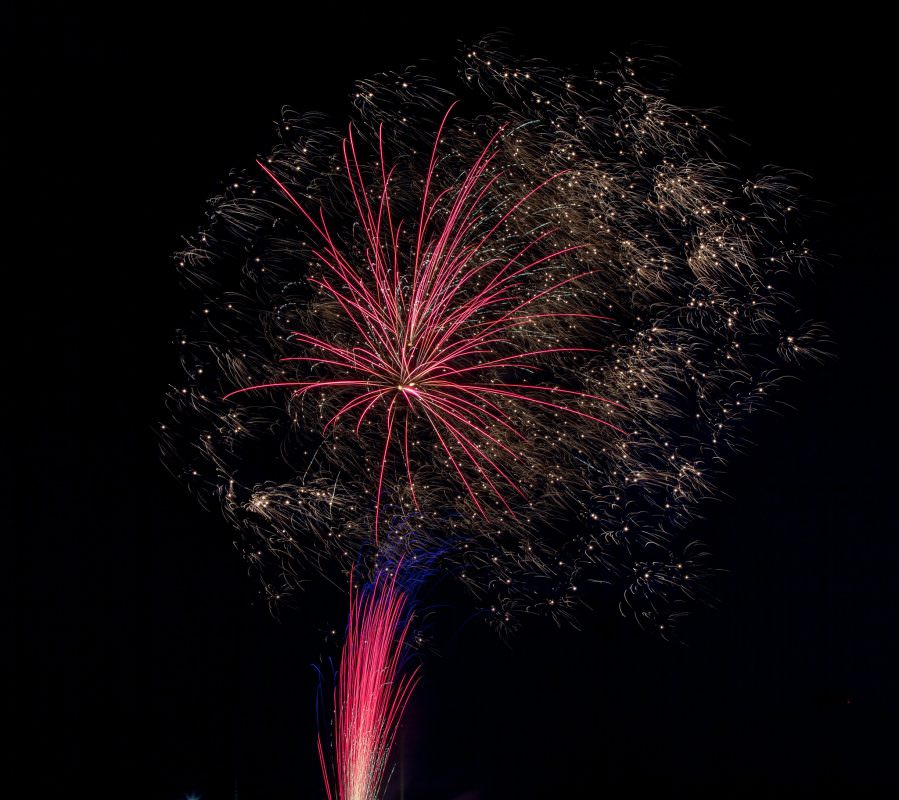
x=524, y=334
x=429, y=345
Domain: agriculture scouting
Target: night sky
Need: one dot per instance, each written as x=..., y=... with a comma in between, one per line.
x=144, y=663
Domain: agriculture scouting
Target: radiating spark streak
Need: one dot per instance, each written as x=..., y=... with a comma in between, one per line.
x=368, y=408
x=467, y=403
x=370, y=355
x=450, y=407
x=424, y=200
x=456, y=466
x=354, y=403
x=265, y=386
x=383, y=463
x=559, y=390
x=526, y=399
x=465, y=442
x=408, y=462
x=504, y=360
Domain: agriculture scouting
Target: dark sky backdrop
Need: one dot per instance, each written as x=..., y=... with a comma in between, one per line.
x=144, y=665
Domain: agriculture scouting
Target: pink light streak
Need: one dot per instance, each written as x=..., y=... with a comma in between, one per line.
x=371, y=694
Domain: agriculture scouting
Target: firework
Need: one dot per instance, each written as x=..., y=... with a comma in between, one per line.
x=519, y=323
x=371, y=693
x=511, y=330
x=429, y=344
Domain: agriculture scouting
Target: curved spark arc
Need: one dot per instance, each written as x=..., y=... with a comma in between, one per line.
x=420, y=338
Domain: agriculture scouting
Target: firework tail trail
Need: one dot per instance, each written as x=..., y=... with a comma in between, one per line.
x=371, y=693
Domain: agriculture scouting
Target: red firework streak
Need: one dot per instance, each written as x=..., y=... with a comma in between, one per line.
x=424, y=343
x=371, y=693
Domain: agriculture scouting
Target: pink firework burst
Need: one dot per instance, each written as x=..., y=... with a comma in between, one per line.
x=371, y=694
x=437, y=336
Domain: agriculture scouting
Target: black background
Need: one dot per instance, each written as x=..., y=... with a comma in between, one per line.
x=144, y=665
